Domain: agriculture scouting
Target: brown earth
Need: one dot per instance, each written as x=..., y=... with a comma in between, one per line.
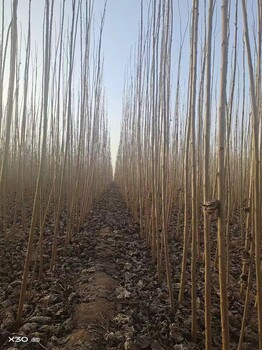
x=104, y=293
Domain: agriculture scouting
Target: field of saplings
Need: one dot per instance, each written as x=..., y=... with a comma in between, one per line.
x=160, y=249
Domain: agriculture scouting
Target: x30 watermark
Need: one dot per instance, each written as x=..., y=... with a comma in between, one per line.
x=17, y=339
x=24, y=339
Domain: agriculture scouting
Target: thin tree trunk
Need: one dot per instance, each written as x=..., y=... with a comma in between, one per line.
x=221, y=180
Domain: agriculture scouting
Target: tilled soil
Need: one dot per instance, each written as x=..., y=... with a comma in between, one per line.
x=104, y=294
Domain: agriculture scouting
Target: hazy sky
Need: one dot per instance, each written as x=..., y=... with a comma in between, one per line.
x=119, y=38
x=120, y=34
x=119, y=41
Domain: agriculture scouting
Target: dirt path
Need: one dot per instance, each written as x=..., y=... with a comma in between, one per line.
x=91, y=316
x=121, y=305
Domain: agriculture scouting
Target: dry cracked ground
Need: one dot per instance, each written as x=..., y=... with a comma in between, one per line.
x=104, y=294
